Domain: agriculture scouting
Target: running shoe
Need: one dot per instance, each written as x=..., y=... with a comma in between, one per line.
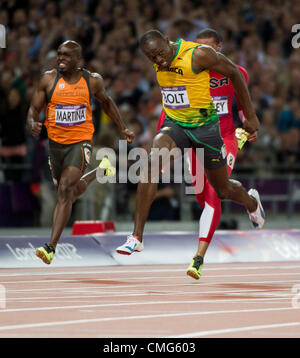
x=45, y=253
x=131, y=245
x=257, y=218
x=195, y=268
x=109, y=170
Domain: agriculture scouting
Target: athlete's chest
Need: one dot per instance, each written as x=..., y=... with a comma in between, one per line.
x=61, y=91
x=65, y=90
x=179, y=70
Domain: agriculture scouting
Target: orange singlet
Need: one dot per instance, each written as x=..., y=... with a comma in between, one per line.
x=68, y=112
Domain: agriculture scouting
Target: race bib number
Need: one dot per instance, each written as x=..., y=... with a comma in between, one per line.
x=221, y=105
x=175, y=97
x=230, y=160
x=87, y=152
x=70, y=115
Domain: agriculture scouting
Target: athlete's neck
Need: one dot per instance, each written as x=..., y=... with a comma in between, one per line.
x=72, y=75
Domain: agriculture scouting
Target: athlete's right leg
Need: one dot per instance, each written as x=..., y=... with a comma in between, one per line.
x=65, y=194
x=62, y=212
x=145, y=194
x=72, y=184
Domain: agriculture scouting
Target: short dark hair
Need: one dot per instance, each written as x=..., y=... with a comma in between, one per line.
x=149, y=36
x=208, y=33
x=74, y=46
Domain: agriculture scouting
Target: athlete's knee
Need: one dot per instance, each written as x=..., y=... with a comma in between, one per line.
x=228, y=189
x=223, y=192
x=65, y=190
x=150, y=168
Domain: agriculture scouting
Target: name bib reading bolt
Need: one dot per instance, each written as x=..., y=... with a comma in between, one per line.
x=221, y=105
x=175, y=97
x=70, y=115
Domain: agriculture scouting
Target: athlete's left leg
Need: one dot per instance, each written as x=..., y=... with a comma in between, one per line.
x=211, y=214
x=211, y=205
x=105, y=168
x=71, y=184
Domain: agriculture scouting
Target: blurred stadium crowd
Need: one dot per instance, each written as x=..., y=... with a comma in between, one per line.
x=256, y=34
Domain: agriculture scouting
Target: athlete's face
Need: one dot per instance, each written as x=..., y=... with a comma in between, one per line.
x=159, y=51
x=210, y=42
x=67, y=59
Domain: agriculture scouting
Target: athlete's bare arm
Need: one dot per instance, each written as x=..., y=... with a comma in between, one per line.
x=109, y=105
x=208, y=58
x=38, y=101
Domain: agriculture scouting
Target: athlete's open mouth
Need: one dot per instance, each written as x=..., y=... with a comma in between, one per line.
x=62, y=64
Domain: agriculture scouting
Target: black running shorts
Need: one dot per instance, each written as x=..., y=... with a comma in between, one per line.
x=207, y=137
x=62, y=156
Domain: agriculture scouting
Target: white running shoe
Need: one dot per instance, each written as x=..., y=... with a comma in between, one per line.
x=131, y=245
x=258, y=216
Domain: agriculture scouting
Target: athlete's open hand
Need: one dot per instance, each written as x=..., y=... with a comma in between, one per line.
x=35, y=128
x=129, y=135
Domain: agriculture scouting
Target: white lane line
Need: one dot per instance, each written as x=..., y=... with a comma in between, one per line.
x=50, y=308
x=195, y=284
x=165, y=315
x=136, y=289
x=64, y=298
x=223, y=267
x=120, y=279
x=235, y=330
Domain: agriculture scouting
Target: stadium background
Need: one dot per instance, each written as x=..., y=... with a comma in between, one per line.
x=257, y=35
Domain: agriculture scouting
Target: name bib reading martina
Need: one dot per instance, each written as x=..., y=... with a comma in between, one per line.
x=70, y=115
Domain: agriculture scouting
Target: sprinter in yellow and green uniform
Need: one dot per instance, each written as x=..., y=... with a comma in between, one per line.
x=182, y=70
x=184, y=90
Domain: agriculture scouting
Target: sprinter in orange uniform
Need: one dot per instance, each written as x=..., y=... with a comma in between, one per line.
x=67, y=92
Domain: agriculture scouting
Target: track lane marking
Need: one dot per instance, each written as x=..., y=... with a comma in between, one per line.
x=200, y=284
x=134, y=270
x=165, y=315
x=235, y=330
x=49, y=308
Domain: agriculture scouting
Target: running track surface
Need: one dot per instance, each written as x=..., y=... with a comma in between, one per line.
x=251, y=300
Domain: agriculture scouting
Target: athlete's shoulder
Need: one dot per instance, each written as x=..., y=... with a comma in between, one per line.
x=49, y=74
x=93, y=75
x=96, y=81
x=194, y=45
x=244, y=72
x=47, y=78
x=96, y=75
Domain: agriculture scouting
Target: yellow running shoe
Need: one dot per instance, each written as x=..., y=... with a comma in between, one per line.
x=45, y=253
x=195, y=268
x=109, y=171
